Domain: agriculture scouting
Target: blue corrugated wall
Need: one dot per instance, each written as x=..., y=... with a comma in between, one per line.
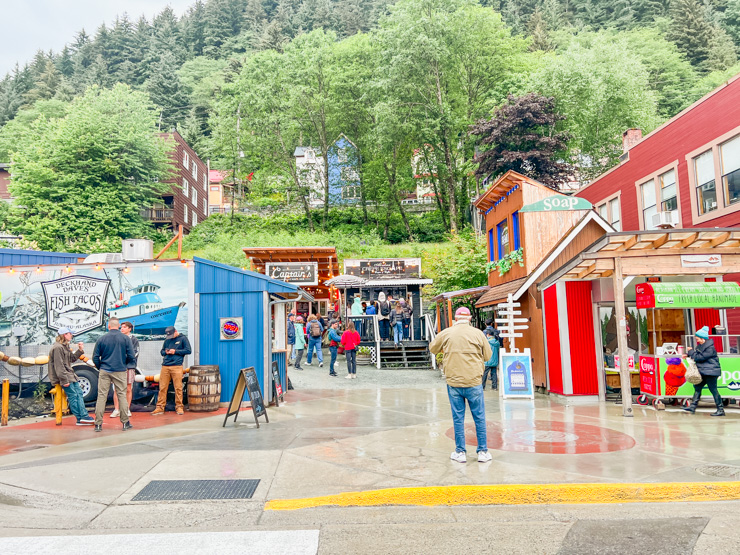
x=18, y=257
x=226, y=292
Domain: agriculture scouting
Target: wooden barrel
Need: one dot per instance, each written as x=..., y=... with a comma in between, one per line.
x=204, y=388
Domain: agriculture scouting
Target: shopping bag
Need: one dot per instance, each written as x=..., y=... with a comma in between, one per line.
x=692, y=372
x=340, y=349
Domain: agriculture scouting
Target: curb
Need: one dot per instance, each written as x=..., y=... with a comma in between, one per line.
x=520, y=494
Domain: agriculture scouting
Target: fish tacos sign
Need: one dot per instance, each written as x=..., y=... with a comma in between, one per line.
x=75, y=302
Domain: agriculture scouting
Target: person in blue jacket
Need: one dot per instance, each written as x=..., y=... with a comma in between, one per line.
x=335, y=339
x=491, y=366
x=291, y=337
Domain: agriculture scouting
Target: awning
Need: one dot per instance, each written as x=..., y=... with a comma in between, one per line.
x=688, y=295
x=499, y=293
x=474, y=292
x=394, y=282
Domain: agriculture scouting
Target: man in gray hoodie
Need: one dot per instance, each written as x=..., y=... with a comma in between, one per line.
x=384, y=313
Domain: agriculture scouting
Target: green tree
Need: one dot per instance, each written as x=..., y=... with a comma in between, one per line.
x=167, y=92
x=691, y=31
x=84, y=181
x=24, y=129
x=601, y=90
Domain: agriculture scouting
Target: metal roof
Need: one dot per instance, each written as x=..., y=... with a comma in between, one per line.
x=498, y=293
x=20, y=257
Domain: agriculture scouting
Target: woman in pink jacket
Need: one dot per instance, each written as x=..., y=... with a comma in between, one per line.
x=350, y=341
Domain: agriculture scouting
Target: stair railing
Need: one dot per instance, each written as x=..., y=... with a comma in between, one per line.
x=430, y=332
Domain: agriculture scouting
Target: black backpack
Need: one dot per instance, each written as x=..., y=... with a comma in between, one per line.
x=315, y=329
x=385, y=309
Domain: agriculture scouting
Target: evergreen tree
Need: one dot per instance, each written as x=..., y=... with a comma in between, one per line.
x=192, y=28
x=119, y=53
x=167, y=93
x=142, y=43
x=64, y=62
x=254, y=16
x=731, y=20
x=722, y=53
x=691, y=31
x=166, y=36
x=45, y=85
x=537, y=28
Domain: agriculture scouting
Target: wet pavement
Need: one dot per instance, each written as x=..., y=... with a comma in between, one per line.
x=364, y=436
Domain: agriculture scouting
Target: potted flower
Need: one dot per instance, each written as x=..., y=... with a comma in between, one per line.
x=363, y=355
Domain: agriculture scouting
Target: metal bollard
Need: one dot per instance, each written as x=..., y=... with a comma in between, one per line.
x=60, y=402
x=5, y=403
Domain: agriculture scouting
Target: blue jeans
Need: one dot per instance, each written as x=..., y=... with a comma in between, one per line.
x=351, y=361
x=474, y=395
x=314, y=343
x=397, y=332
x=75, y=401
x=333, y=351
x=406, y=329
x=490, y=370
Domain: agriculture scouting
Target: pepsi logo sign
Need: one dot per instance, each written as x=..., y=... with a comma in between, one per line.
x=230, y=328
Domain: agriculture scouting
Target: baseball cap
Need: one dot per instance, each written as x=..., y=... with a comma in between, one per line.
x=462, y=311
x=170, y=331
x=62, y=331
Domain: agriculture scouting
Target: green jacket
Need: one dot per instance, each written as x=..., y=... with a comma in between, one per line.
x=493, y=361
x=300, y=338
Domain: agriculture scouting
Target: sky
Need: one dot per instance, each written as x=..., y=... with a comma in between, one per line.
x=31, y=25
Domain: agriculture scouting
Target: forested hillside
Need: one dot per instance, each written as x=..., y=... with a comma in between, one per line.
x=246, y=81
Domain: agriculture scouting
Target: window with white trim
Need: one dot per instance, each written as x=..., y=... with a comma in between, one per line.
x=185, y=212
x=649, y=203
x=185, y=187
x=611, y=211
x=195, y=218
x=185, y=160
x=706, y=188
x=204, y=205
x=194, y=171
x=195, y=197
x=658, y=193
x=730, y=167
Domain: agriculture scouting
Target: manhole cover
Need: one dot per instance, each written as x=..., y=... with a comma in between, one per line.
x=189, y=490
x=719, y=470
x=29, y=448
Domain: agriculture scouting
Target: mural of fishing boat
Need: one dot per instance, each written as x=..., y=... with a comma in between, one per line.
x=145, y=310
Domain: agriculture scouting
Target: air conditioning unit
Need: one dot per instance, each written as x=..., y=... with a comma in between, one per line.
x=104, y=258
x=137, y=249
x=665, y=220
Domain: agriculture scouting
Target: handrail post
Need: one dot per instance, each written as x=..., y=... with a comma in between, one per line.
x=376, y=329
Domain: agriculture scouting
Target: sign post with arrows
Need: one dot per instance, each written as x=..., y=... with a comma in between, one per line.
x=515, y=365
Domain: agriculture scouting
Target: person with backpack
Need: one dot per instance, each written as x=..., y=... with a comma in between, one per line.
x=396, y=320
x=300, y=342
x=350, y=341
x=334, y=340
x=384, y=313
x=314, y=330
x=408, y=313
x=291, y=337
x=491, y=366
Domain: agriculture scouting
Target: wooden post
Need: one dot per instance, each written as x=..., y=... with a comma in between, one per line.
x=6, y=403
x=620, y=313
x=450, y=316
x=179, y=242
x=439, y=323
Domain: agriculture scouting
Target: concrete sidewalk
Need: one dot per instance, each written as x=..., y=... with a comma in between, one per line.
x=366, y=437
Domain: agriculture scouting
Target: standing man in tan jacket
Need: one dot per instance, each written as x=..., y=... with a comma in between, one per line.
x=466, y=351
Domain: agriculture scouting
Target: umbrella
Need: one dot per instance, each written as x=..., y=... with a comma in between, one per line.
x=344, y=281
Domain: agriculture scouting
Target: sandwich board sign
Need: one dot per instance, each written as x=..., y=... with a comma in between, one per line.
x=516, y=375
x=248, y=383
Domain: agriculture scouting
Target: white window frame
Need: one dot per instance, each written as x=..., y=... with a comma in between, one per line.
x=185, y=159
x=655, y=178
x=185, y=213
x=195, y=218
x=607, y=205
x=722, y=208
x=194, y=171
x=195, y=197
x=185, y=187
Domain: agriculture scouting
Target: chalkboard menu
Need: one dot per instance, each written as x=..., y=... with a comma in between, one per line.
x=277, y=386
x=247, y=382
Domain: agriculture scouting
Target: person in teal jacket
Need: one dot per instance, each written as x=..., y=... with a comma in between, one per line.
x=491, y=365
x=300, y=342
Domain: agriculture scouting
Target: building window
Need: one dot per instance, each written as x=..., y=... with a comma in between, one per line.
x=491, y=256
x=730, y=164
x=204, y=205
x=342, y=155
x=215, y=188
x=185, y=212
x=611, y=211
x=502, y=232
x=185, y=160
x=194, y=171
x=195, y=218
x=668, y=198
x=195, y=197
x=515, y=230
x=350, y=192
x=185, y=187
x=649, y=204
x=706, y=189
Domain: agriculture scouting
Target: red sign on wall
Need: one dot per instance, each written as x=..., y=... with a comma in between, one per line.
x=649, y=375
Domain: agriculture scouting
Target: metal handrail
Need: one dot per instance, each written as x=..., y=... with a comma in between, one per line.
x=368, y=321
x=430, y=332
x=376, y=328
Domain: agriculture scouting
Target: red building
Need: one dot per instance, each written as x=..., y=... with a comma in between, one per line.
x=686, y=173
x=187, y=201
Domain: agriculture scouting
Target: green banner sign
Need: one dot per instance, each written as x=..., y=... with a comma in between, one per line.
x=688, y=295
x=558, y=203
x=673, y=382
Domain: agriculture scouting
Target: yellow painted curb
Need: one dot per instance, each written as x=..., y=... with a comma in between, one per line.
x=521, y=494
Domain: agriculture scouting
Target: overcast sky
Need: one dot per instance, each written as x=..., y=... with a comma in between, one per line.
x=30, y=25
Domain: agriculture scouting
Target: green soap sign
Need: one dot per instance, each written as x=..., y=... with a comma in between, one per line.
x=728, y=383
x=558, y=203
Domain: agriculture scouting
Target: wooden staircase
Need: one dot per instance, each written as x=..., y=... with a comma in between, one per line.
x=409, y=355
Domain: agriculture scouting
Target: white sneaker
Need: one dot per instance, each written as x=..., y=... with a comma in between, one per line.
x=321, y=364
x=484, y=456
x=128, y=412
x=354, y=376
x=348, y=377
x=115, y=413
x=459, y=457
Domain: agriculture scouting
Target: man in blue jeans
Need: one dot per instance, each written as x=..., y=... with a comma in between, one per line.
x=314, y=330
x=61, y=373
x=466, y=350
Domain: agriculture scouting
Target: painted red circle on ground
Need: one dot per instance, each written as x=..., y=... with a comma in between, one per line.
x=553, y=437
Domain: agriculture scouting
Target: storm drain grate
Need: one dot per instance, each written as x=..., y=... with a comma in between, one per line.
x=29, y=448
x=191, y=490
x=719, y=470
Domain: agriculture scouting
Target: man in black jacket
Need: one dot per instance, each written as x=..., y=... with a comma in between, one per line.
x=112, y=355
x=174, y=350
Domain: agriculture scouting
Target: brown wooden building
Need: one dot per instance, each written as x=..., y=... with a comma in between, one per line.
x=534, y=232
x=4, y=181
x=187, y=201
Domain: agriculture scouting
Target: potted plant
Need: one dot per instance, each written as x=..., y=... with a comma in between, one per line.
x=363, y=355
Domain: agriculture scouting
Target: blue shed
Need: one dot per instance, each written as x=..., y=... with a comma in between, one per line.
x=224, y=293
x=20, y=257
